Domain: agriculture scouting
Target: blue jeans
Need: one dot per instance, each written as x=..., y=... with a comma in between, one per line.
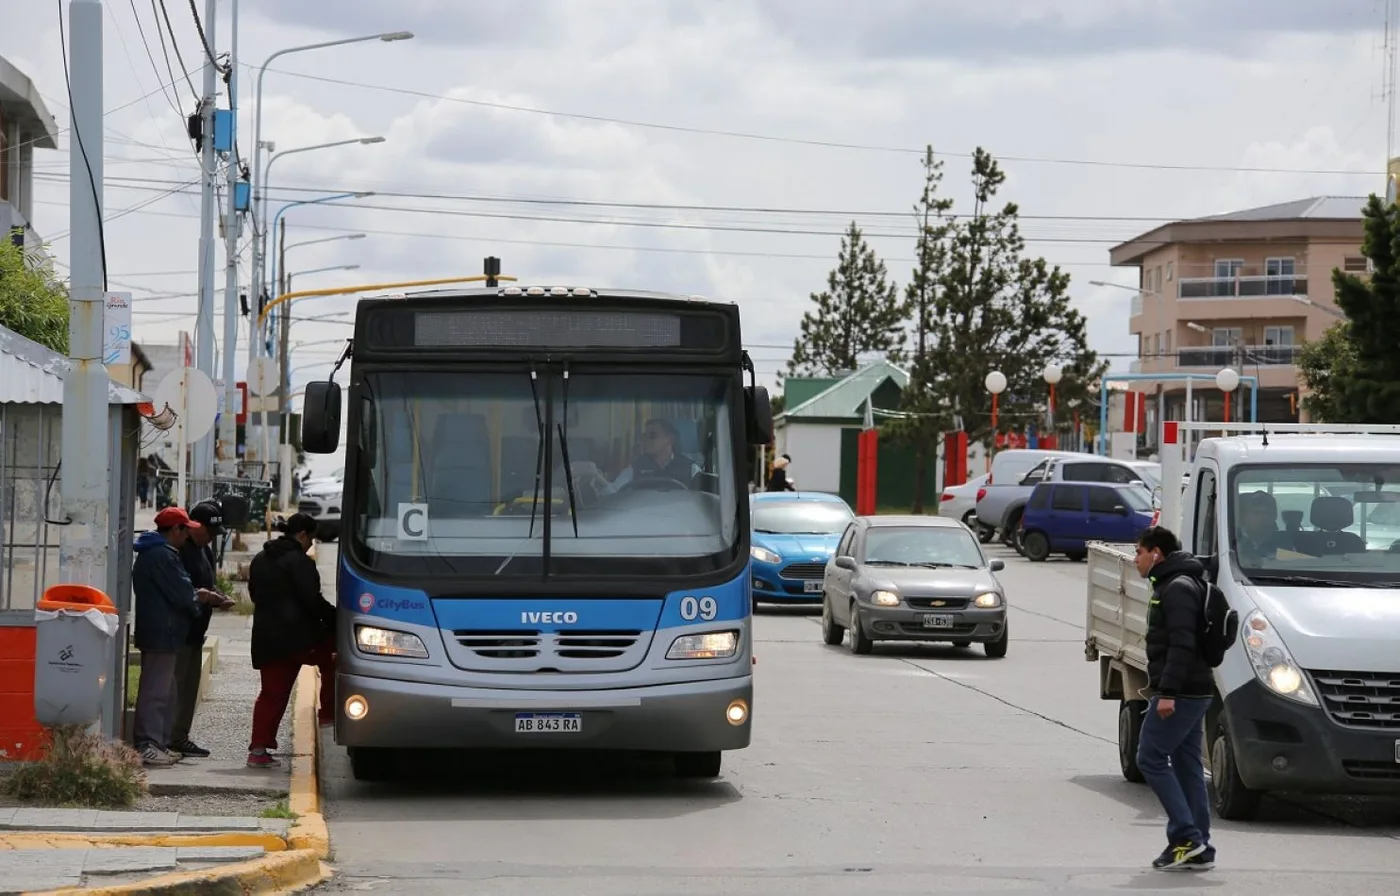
x=1169, y=755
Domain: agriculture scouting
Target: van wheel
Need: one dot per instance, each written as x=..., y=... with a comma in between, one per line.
x=1228, y=796
x=698, y=765
x=1130, y=715
x=372, y=763
x=860, y=641
x=831, y=632
x=1036, y=546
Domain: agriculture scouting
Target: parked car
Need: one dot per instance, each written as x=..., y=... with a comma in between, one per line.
x=1063, y=517
x=794, y=535
x=1002, y=505
x=959, y=502
x=322, y=501
x=913, y=578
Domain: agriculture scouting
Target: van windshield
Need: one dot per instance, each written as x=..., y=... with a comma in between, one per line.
x=1337, y=522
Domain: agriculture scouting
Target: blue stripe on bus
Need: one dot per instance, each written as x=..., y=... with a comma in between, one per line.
x=726, y=602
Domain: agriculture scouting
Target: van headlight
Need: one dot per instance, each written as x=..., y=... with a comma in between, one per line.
x=387, y=642
x=708, y=646
x=1273, y=664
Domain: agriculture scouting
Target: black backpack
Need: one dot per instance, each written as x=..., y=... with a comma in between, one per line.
x=1220, y=624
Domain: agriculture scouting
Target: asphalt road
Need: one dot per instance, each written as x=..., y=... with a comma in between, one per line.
x=912, y=770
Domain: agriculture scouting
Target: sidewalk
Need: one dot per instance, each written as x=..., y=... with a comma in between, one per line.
x=204, y=820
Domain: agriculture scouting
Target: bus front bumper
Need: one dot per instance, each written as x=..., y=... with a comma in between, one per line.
x=693, y=716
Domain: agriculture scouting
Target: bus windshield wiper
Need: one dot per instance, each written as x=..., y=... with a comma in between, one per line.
x=539, y=466
x=564, y=452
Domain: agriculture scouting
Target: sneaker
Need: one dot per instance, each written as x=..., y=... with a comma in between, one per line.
x=1203, y=862
x=262, y=760
x=1175, y=857
x=189, y=748
x=155, y=757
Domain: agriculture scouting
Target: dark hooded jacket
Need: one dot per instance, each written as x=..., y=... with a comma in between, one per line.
x=199, y=565
x=1174, y=622
x=166, y=606
x=289, y=614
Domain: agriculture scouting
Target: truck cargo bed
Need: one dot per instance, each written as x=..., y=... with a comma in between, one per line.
x=1116, y=623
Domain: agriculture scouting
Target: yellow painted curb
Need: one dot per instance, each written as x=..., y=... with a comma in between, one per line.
x=34, y=840
x=285, y=872
x=304, y=793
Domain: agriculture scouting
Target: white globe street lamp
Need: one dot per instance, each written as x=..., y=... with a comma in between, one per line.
x=995, y=382
x=1227, y=380
x=1053, y=374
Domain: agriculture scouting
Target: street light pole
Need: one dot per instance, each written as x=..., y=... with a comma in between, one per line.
x=84, y=541
x=228, y=420
x=204, y=346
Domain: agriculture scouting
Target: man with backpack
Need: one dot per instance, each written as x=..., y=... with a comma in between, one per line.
x=1180, y=688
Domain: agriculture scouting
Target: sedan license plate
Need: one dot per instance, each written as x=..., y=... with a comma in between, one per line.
x=812, y=587
x=548, y=722
x=937, y=620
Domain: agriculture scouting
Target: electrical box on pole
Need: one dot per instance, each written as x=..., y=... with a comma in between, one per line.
x=223, y=131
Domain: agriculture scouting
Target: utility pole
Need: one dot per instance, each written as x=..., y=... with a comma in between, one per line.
x=204, y=328
x=228, y=420
x=284, y=391
x=84, y=540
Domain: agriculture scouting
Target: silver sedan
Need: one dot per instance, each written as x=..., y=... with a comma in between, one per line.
x=913, y=578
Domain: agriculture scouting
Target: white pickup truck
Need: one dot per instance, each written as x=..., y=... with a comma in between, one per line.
x=1308, y=700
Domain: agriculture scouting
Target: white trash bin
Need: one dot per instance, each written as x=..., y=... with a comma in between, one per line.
x=75, y=632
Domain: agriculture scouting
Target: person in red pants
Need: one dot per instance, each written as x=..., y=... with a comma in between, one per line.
x=293, y=626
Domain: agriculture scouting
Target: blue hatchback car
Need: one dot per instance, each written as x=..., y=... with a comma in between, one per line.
x=1062, y=517
x=794, y=535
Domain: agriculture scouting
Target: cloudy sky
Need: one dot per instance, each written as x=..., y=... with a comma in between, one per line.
x=734, y=139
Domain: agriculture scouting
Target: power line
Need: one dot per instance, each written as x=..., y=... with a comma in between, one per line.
x=141, y=30
x=825, y=144
x=204, y=41
x=175, y=45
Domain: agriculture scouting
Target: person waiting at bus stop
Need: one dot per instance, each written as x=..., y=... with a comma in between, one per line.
x=293, y=626
x=197, y=556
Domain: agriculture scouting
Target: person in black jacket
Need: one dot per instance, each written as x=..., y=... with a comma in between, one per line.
x=778, y=480
x=293, y=626
x=1180, y=688
x=167, y=605
x=197, y=556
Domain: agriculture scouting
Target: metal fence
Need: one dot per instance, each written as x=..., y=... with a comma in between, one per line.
x=256, y=491
x=30, y=446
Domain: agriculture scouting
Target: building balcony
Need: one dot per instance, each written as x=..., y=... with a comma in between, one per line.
x=1216, y=357
x=1250, y=287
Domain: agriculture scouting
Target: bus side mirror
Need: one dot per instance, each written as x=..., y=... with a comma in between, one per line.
x=758, y=411
x=320, y=417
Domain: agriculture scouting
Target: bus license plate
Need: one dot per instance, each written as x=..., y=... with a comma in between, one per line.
x=937, y=620
x=548, y=722
x=812, y=587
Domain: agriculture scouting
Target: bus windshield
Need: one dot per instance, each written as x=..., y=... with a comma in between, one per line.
x=449, y=474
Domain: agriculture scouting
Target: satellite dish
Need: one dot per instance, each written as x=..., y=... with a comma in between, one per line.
x=263, y=376
x=190, y=394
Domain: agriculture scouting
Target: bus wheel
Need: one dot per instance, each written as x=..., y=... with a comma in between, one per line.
x=372, y=763
x=698, y=765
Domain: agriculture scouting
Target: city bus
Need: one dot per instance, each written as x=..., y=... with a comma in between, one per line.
x=545, y=525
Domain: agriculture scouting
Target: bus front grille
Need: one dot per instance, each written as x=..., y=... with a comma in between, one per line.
x=531, y=650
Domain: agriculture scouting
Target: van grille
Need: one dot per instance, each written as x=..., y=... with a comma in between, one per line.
x=1361, y=699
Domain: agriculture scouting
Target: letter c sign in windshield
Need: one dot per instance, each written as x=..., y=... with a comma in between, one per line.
x=413, y=522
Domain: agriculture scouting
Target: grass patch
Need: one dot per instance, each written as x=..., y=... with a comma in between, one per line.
x=133, y=684
x=279, y=810
x=80, y=769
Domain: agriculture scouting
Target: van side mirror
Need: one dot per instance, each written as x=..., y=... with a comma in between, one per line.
x=846, y=563
x=758, y=415
x=320, y=417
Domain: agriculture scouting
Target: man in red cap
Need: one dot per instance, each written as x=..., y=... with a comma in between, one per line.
x=167, y=605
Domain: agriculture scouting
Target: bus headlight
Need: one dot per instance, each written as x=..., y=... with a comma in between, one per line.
x=709, y=646
x=386, y=642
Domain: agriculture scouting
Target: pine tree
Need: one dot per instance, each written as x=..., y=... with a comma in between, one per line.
x=995, y=309
x=1354, y=370
x=859, y=313
x=922, y=403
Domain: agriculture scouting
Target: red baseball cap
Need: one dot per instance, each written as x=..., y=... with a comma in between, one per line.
x=171, y=517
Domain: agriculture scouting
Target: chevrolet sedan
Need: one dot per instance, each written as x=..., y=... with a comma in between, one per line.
x=913, y=578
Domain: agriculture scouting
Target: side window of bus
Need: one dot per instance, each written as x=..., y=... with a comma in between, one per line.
x=1204, y=529
x=368, y=448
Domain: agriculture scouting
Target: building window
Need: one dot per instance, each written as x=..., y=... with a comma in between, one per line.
x=1171, y=268
x=1167, y=341
x=1226, y=270
x=1226, y=336
x=1278, y=336
x=1356, y=264
x=1278, y=277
